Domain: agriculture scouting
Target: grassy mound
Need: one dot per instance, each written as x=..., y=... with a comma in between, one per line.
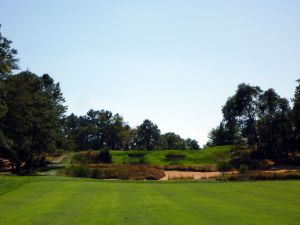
x=161, y=158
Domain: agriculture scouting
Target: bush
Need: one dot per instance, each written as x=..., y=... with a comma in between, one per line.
x=240, y=157
x=85, y=157
x=77, y=171
x=244, y=157
x=261, y=175
x=276, y=176
x=244, y=169
x=224, y=166
x=104, y=156
x=96, y=173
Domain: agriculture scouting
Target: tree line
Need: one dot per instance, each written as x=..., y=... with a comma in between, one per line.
x=103, y=129
x=262, y=120
x=33, y=120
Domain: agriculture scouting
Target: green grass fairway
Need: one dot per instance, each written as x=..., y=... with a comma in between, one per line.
x=69, y=201
x=205, y=156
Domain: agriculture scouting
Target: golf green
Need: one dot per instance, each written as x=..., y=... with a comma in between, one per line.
x=73, y=201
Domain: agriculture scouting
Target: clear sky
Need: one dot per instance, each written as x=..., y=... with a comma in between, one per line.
x=173, y=62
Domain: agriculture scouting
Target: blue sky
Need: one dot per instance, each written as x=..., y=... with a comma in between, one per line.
x=174, y=62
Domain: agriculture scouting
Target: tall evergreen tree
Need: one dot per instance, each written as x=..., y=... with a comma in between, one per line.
x=70, y=133
x=296, y=116
x=147, y=135
x=220, y=136
x=32, y=121
x=274, y=126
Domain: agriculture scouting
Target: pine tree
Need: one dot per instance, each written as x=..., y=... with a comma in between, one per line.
x=296, y=115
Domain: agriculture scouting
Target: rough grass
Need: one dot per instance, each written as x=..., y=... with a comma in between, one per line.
x=65, y=201
x=261, y=175
x=114, y=171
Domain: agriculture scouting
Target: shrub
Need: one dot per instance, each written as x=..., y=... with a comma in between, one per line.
x=77, y=171
x=245, y=157
x=244, y=169
x=96, y=173
x=224, y=166
x=112, y=171
x=85, y=157
x=223, y=177
x=104, y=156
x=261, y=175
x=240, y=157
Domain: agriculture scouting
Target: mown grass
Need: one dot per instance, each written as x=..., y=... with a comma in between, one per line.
x=205, y=156
x=45, y=200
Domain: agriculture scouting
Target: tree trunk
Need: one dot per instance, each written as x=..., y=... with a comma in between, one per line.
x=29, y=164
x=12, y=168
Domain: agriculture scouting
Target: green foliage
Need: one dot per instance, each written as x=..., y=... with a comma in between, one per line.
x=78, y=171
x=274, y=127
x=261, y=119
x=170, y=141
x=220, y=136
x=96, y=173
x=244, y=169
x=259, y=175
x=86, y=157
x=33, y=117
x=296, y=117
x=240, y=113
x=147, y=135
x=8, y=60
x=275, y=176
x=191, y=144
x=8, y=63
x=104, y=156
x=97, y=129
x=224, y=166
